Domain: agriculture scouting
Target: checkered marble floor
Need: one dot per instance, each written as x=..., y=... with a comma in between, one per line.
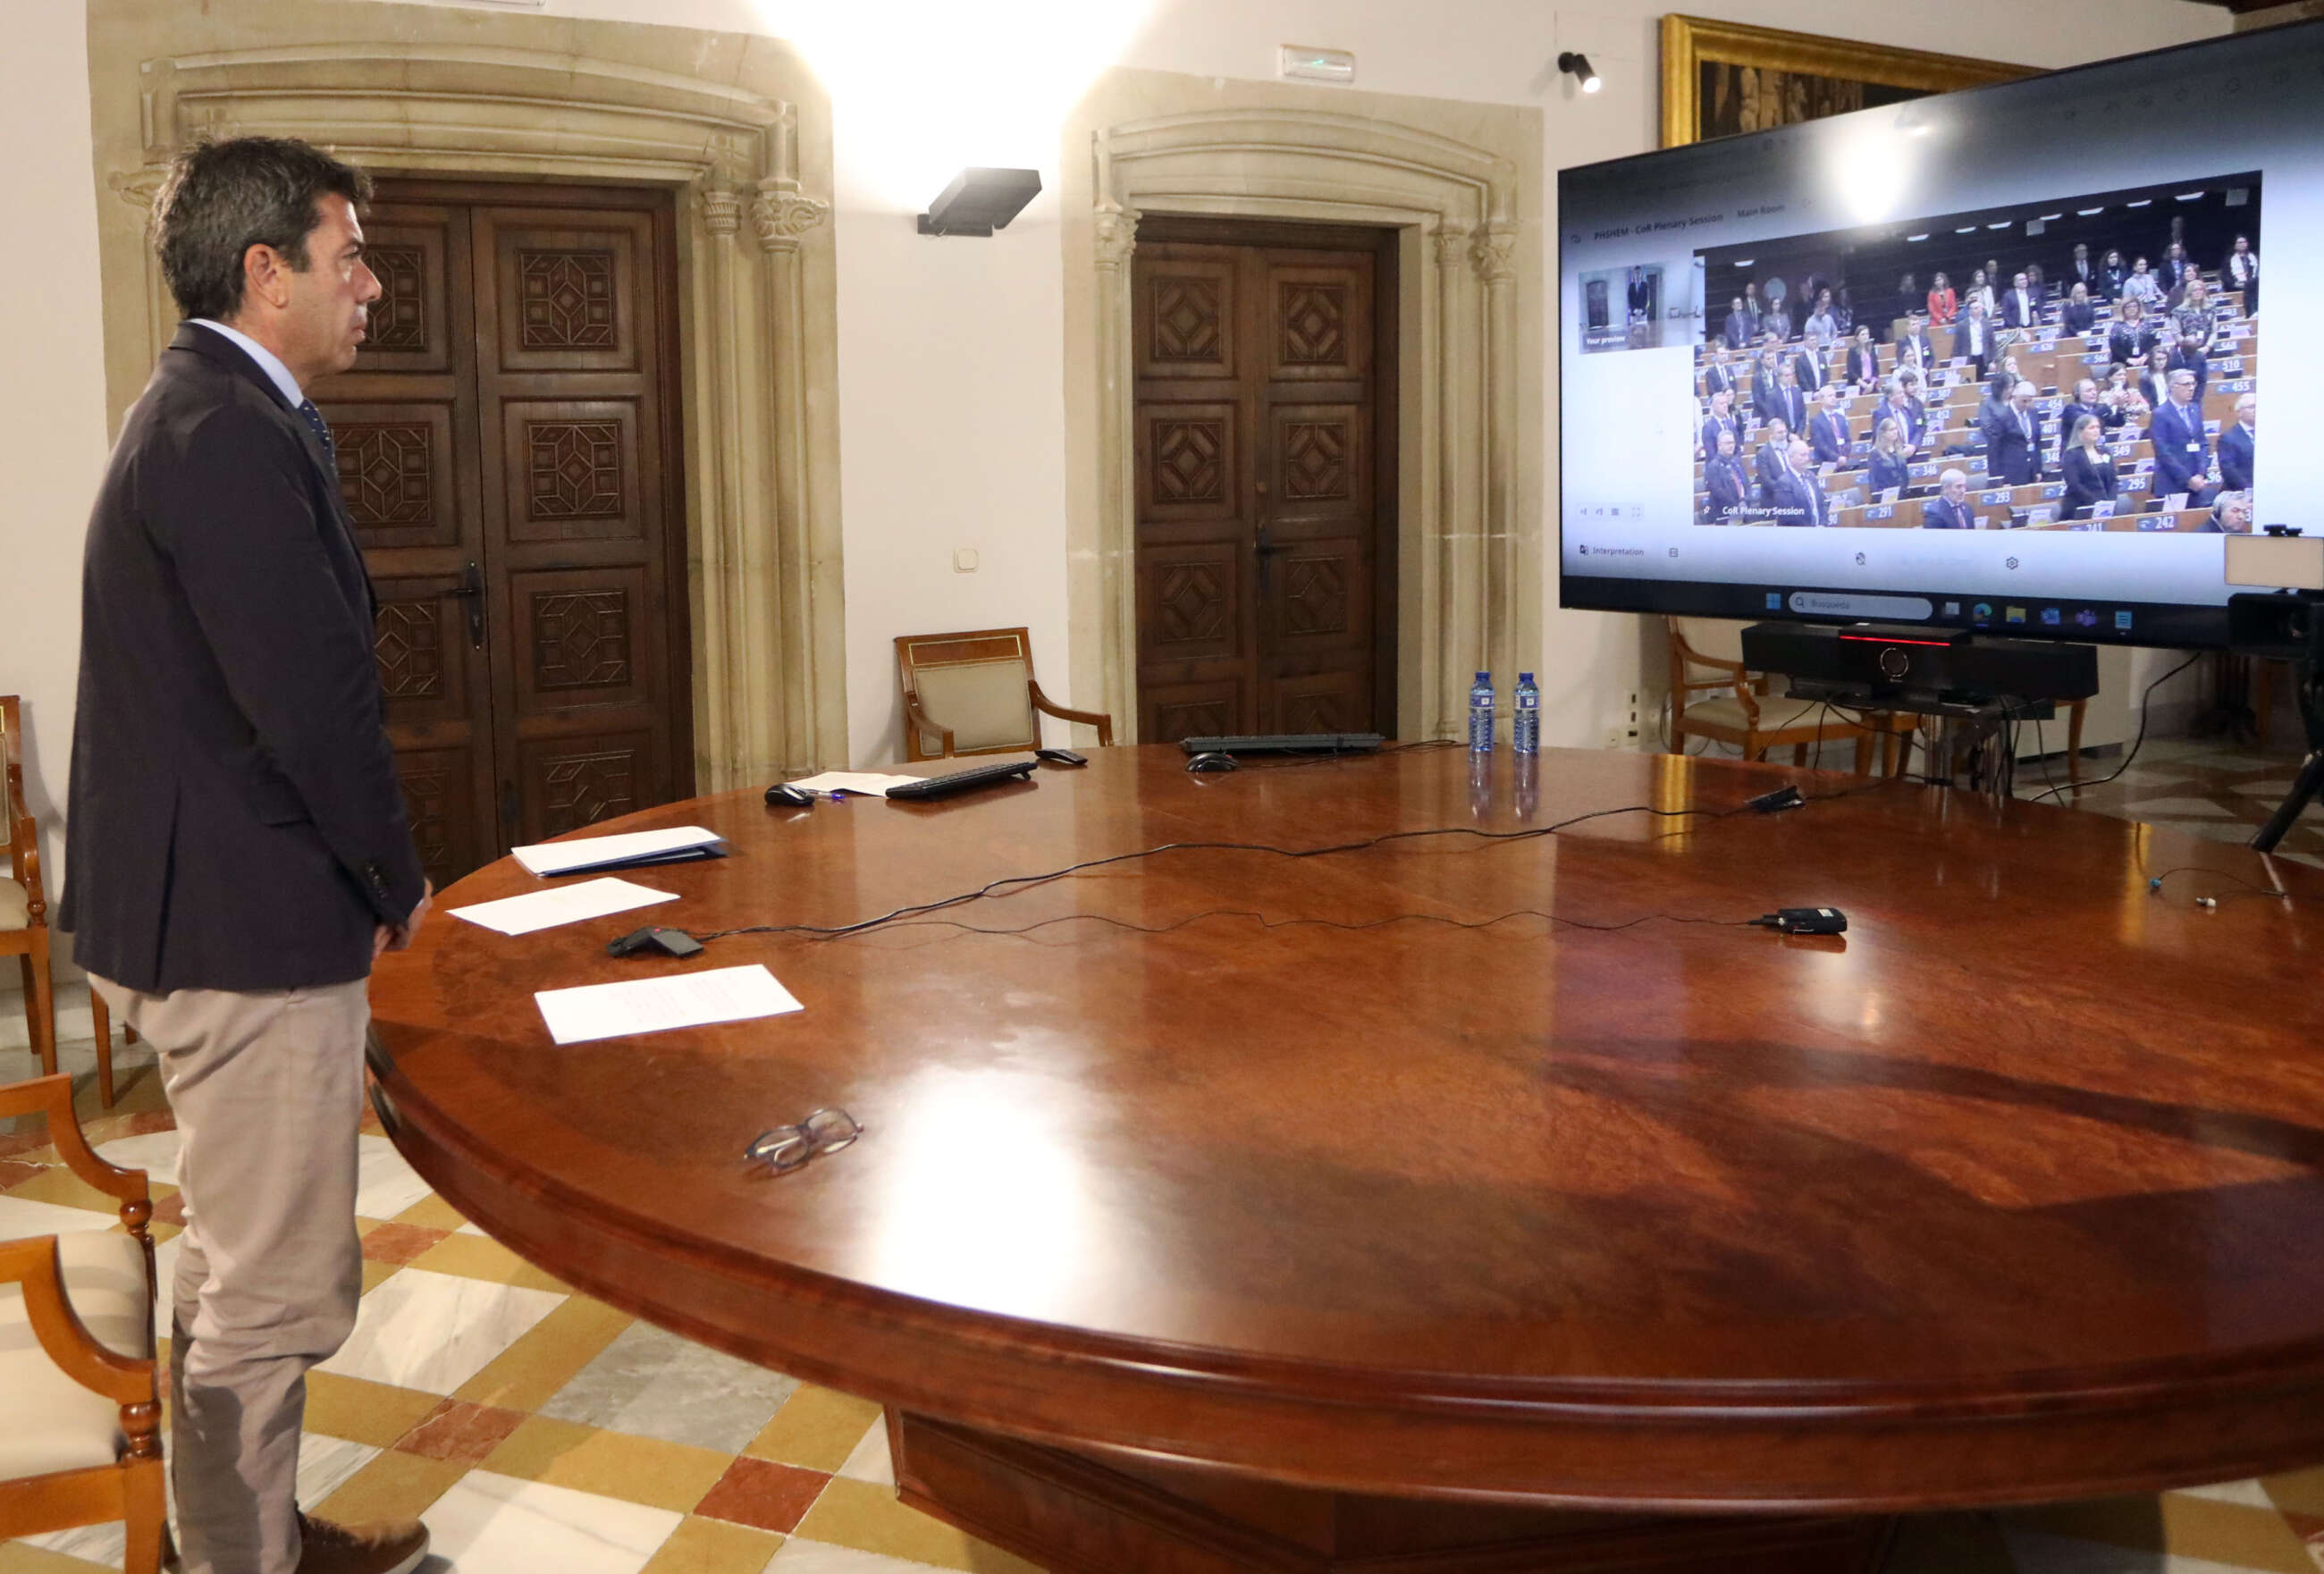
x=537, y=1430
x=534, y=1429
x=2218, y=790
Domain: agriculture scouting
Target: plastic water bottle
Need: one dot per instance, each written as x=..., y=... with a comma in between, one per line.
x=1524, y=720
x=1480, y=715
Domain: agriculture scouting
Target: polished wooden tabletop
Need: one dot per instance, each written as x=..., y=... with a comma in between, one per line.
x=1364, y=1170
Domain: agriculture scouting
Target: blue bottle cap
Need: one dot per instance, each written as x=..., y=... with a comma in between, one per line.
x=1484, y=677
x=1524, y=677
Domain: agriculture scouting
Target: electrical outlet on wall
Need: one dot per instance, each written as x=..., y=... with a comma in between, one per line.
x=1616, y=737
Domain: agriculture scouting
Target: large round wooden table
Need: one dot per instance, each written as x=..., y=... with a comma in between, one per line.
x=1320, y=1212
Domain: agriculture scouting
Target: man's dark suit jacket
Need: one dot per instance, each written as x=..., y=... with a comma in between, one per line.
x=1711, y=426
x=2010, y=456
x=234, y=820
x=1728, y=489
x=1718, y=379
x=1767, y=465
x=2182, y=452
x=2236, y=458
x=2015, y=315
x=1799, y=499
x=1828, y=437
x=1938, y=514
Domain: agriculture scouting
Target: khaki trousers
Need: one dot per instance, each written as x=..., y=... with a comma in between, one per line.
x=268, y=1093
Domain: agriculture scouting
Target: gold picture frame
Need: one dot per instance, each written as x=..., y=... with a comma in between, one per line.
x=1827, y=66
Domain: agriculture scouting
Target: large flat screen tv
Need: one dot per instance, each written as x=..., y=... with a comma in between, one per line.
x=1989, y=360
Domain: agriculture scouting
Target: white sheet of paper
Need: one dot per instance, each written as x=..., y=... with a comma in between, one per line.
x=556, y=857
x=725, y=994
x=870, y=783
x=561, y=904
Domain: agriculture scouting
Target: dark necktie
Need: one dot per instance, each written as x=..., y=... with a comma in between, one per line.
x=320, y=428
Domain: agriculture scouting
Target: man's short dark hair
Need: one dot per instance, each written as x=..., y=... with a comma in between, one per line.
x=222, y=197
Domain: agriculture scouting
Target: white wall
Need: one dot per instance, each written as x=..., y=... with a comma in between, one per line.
x=53, y=437
x=951, y=395
x=950, y=350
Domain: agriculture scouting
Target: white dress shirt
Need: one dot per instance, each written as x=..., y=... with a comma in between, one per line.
x=268, y=362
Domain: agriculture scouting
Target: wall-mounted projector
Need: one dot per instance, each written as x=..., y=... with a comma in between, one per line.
x=979, y=201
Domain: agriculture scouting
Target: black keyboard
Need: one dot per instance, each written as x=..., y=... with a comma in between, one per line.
x=1285, y=743
x=964, y=781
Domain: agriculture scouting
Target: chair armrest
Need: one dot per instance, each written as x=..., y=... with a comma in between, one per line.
x=127, y=1381
x=916, y=725
x=53, y=1096
x=1098, y=719
x=24, y=855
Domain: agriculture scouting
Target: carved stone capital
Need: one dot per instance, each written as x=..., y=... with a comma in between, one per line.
x=1117, y=236
x=783, y=217
x=137, y=187
x=1495, y=253
x=1452, y=247
x=721, y=208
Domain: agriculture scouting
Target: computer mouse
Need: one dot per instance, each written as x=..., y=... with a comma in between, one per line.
x=782, y=795
x=1209, y=762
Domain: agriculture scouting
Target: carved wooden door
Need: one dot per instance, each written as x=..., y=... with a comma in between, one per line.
x=506, y=442
x=1265, y=544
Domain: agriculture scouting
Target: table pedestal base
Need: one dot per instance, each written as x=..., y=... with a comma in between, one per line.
x=1077, y=1514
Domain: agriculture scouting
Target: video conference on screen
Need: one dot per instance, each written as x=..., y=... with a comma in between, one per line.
x=2089, y=363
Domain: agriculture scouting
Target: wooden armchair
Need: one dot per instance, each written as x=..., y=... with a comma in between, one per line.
x=24, y=911
x=80, y=1415
x=1706, y=661
x=975, y=694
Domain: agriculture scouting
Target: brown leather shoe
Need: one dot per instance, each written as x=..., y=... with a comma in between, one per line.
x=388, y=1546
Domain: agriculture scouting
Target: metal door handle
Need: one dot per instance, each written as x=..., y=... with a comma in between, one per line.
x=472, y=590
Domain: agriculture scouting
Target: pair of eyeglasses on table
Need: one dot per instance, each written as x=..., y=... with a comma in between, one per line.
x=785, y=1148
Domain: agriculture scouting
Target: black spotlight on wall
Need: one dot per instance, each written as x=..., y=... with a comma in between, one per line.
x=1578, y=63
x=979, y=201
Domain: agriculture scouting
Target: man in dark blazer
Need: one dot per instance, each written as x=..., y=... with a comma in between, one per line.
x=1769, y=460
x=2084, y=272
x=2183, y=453
x=1827, y=430
x=1738, y=326
x=1718, y=377
x=1728, y=489
x=1948, y=510
x=1911, y=416
x=2019, y=308
x=1795, y=493
x=2235, y=447
x=1914, y=349
x=2086, y=403
x=1811, y=366
x=1789, y=402
x=1974, y=340
x=237, y=848
x=2013, y=439
x=1719, y=421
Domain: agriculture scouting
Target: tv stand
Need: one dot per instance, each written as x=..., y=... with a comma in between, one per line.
x=2308, y=684
x=1967, y=741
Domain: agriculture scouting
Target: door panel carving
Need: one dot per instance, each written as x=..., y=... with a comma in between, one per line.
x=1260, y=524
x=396, y=471
x=1184, y=318
x=572, y=472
